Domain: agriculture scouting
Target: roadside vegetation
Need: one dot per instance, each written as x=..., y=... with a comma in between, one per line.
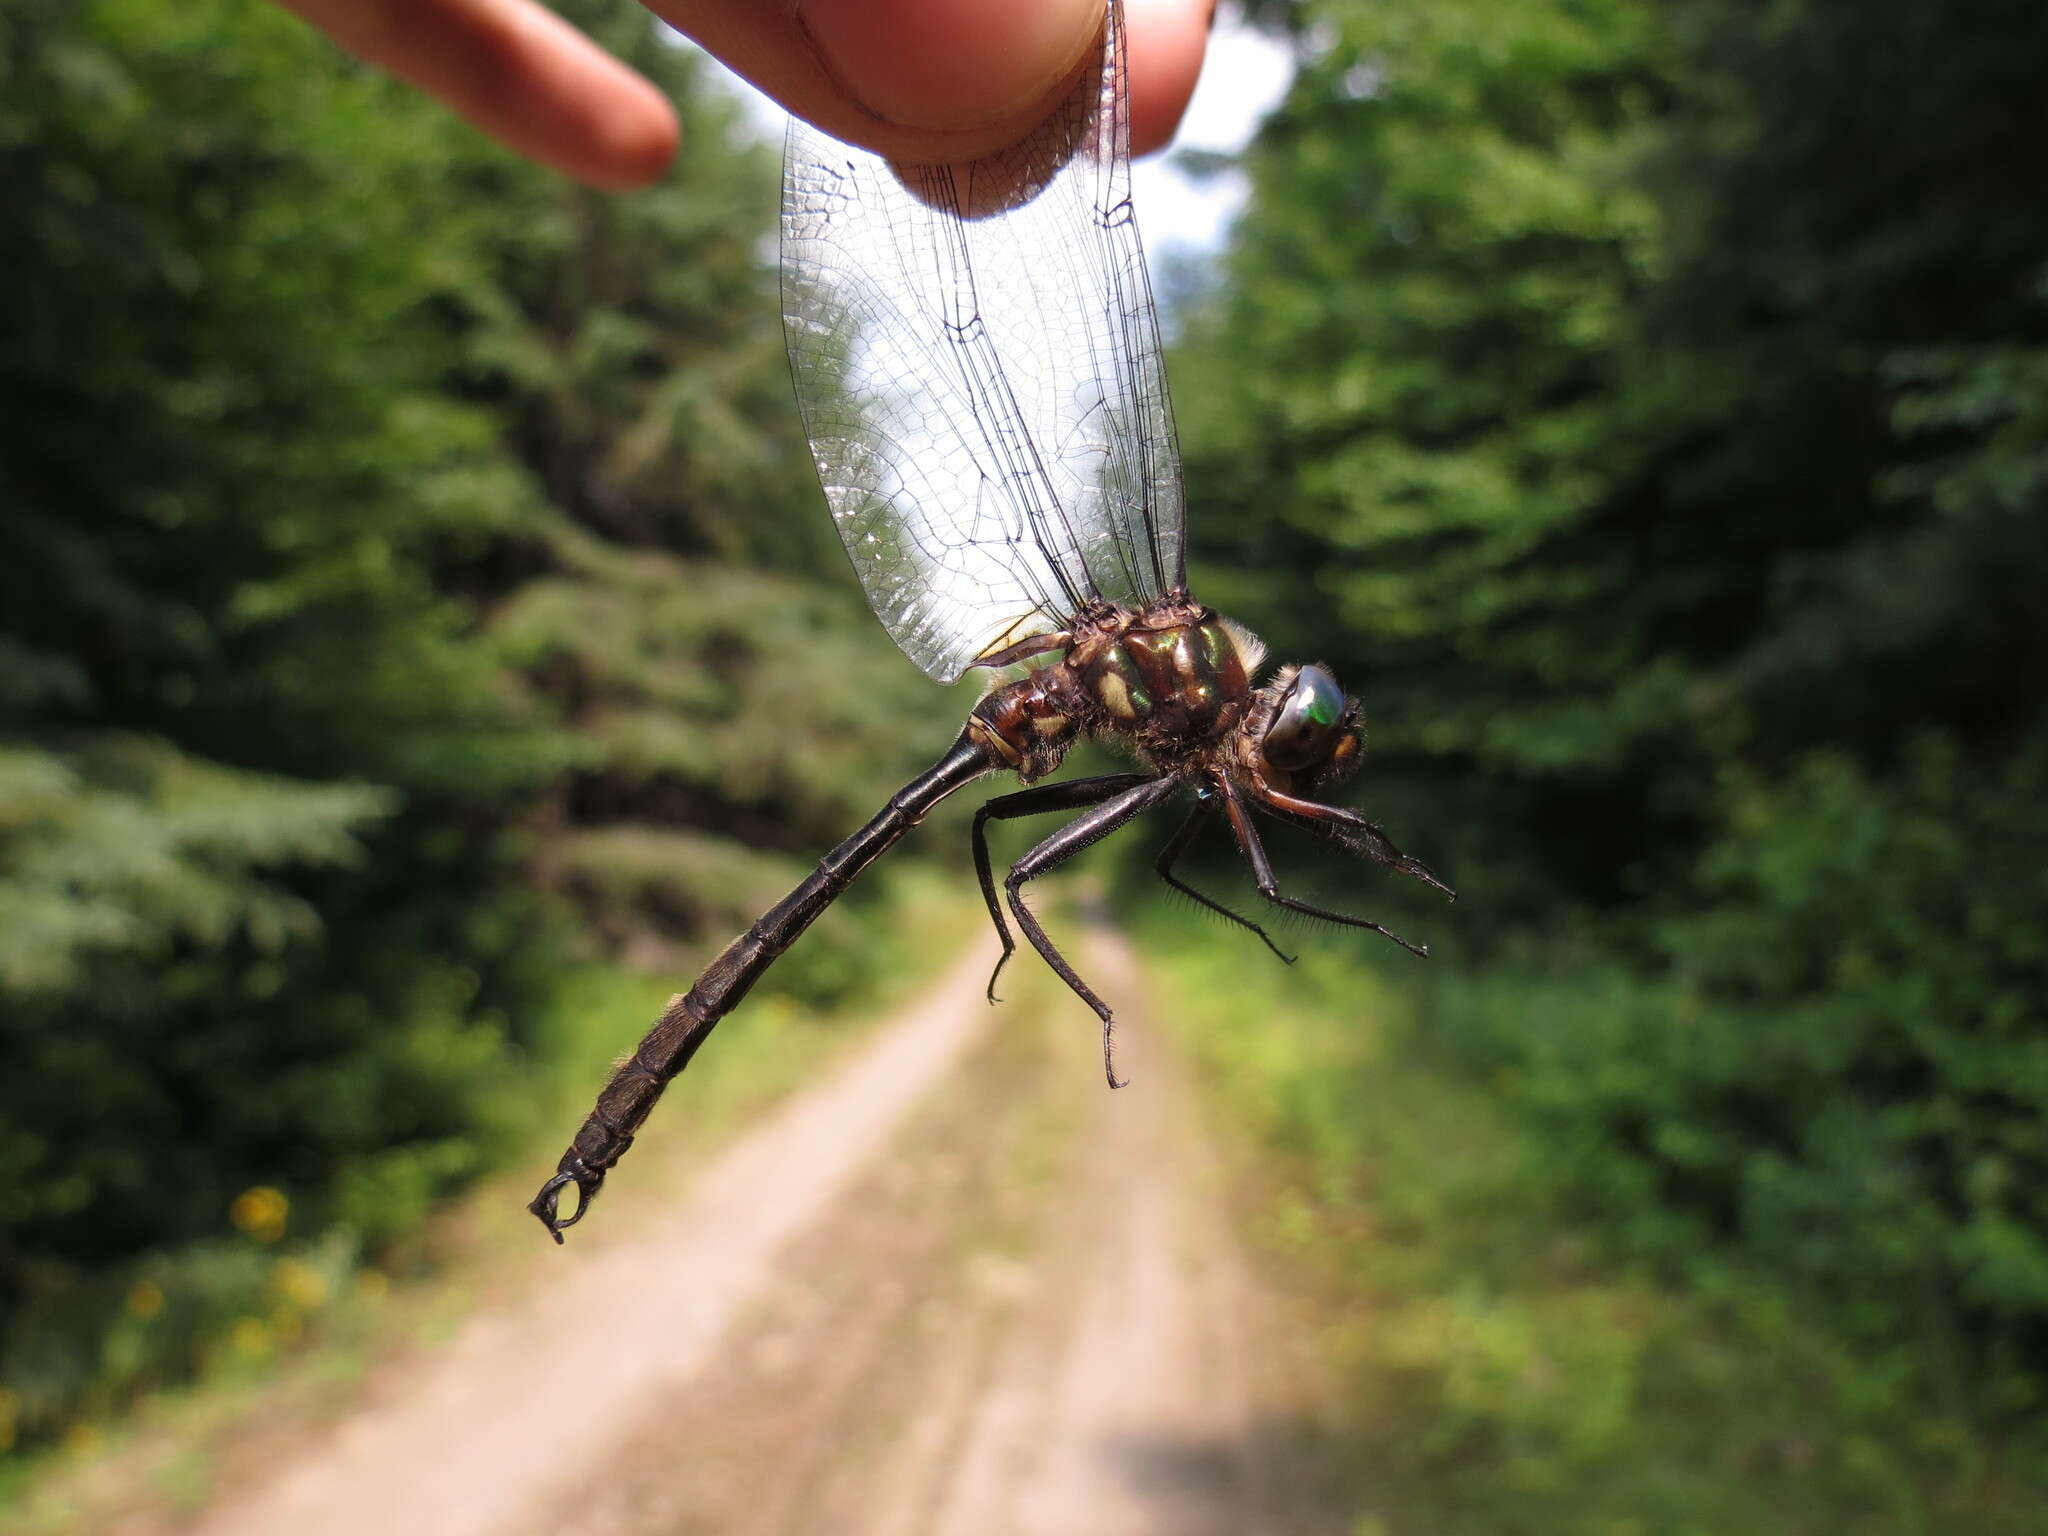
x=1506, y=1356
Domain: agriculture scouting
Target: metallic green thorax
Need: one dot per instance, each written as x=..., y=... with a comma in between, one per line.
x=1187, y=671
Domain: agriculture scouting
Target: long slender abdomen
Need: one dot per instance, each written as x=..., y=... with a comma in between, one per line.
x=626, y=1101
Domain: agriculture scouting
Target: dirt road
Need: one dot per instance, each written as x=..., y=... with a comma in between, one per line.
x=959, y=1289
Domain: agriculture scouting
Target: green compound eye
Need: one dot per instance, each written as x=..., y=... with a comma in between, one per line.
x=1304, y=729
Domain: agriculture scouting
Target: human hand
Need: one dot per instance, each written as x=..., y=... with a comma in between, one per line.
x=919, y=80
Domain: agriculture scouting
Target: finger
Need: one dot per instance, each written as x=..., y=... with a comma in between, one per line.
x=521, y=74
x=934, y=80
x=1165, y=40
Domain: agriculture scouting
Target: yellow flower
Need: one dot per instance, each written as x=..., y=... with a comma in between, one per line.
x=260, y=1212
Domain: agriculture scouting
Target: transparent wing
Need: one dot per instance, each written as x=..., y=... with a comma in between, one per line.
x=976, y=356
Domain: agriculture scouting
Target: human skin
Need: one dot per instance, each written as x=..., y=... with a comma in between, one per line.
x=918, y=80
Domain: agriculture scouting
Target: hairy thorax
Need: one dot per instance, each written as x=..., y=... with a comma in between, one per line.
x=1169, y=681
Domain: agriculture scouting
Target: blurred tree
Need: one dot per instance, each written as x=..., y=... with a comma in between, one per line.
x=227, y=470
x=1398, y=403
x=1644, y=408
x=634, y=347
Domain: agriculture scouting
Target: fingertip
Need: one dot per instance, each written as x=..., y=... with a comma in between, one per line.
x=950, y=66
x=941, y=80
x=1165, y=41
x=586, y=113
x=632, y=144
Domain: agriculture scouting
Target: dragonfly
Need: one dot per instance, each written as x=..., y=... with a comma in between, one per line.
x=976, y=354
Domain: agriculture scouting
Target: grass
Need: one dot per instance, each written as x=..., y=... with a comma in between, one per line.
x=1498, y=1371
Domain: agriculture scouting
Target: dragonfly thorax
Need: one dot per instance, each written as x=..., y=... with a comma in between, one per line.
x=1172, y=680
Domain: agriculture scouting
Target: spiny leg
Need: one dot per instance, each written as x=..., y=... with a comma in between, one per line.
x=1179, y=844
x=1070, y=796
x=1354, y=832
x=1269, y=887
x=1056, y=850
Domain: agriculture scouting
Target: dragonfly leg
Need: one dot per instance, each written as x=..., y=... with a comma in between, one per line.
x=1073, y=795
x=1352, y=831
x=1024, y=650
x=1269, y=887
x=1076, y=835
x=1179, y=844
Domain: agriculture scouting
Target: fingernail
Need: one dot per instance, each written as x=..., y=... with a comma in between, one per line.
x=950, y=64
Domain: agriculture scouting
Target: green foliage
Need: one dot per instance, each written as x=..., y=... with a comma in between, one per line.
x=125, y=847
x=241, y=708
x=1498, y=1374
x=1847, y=1073
x=730, y=724
x=1398, y=401
x=1644, y=407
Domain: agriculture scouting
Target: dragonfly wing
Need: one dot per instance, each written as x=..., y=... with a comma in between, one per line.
x=976, y=356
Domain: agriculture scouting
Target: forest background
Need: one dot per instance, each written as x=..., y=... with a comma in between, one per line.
x=414, y=601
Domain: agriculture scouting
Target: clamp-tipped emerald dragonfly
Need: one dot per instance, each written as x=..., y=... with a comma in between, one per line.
x=976, y=356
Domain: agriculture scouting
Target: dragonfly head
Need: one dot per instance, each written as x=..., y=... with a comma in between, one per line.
x=1308, y=729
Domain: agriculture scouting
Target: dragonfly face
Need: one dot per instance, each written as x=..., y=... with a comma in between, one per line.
x=1314, y=729
x=976, y=358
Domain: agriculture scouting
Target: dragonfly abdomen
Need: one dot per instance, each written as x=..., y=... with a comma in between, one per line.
x=1029, y=725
